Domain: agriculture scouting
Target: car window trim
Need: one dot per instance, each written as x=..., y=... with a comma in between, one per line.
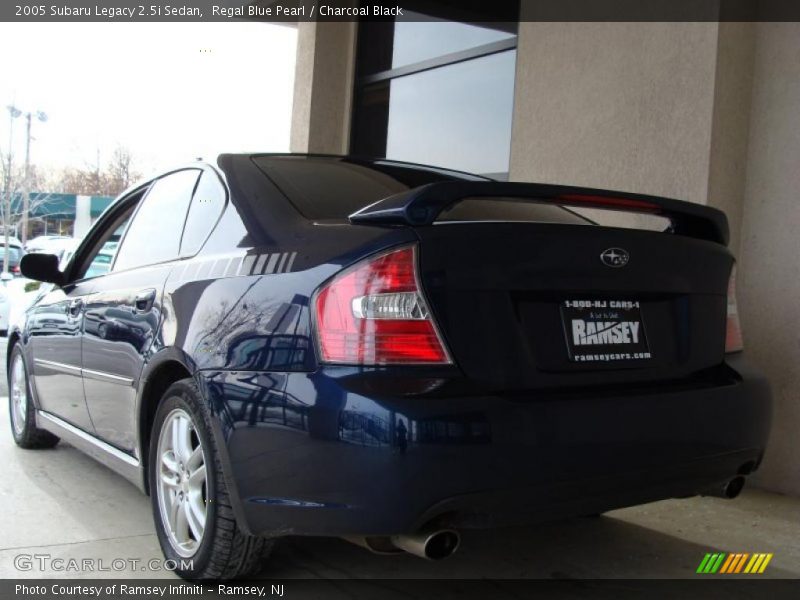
x=225, y=201
x=188, y=210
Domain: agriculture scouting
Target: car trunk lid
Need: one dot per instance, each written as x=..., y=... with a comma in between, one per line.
x=526, y=305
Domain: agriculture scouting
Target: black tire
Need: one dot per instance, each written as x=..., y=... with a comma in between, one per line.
x=225, y=551
x=23, y=427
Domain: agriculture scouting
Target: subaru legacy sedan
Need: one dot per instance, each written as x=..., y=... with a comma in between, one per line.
x=278, y=345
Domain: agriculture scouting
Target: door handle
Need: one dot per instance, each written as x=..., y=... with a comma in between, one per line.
x=144, y=300
x=75, y=307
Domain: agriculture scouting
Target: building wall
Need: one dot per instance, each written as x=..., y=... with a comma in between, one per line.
x=768, y=275
x=730, y=122
x=615, y=105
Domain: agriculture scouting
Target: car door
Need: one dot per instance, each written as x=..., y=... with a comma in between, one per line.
x=54, y=327
x=123, y=314
x=56, y=321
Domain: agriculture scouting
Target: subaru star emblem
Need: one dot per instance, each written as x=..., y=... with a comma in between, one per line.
x=615, y=257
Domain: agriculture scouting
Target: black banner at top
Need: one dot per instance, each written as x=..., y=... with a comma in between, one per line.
x=294, y=11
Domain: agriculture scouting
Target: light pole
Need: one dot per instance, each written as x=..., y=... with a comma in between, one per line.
x=26, y=196
x=13, y=113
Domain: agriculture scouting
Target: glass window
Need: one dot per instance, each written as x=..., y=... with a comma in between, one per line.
x=437, y=90
x=154, y=234
x=101, y=263
x=415, y=41
x=207, y=204
x=334, y=188
x=98, y=262
x=346, y=185
x=457, y=116
x=414, y=38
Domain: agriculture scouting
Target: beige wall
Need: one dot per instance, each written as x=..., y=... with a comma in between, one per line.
x=730, y=122
x=623, y=106
x=769, y=263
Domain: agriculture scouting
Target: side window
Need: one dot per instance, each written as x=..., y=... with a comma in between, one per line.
x=207, y=205
x=101, y=263
x=99, y=260
x=154, y=234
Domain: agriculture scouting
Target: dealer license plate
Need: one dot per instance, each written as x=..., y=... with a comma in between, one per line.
x=601, y=331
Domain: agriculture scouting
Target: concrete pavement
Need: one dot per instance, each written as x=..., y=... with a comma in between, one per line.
x=61, y=503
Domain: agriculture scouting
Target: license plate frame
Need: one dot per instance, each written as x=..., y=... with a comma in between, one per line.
x=601, y=331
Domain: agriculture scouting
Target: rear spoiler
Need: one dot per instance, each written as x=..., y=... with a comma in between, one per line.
x=422, y=205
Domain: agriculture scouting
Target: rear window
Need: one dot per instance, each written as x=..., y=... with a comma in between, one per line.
x=322, y=188
x=334, y=188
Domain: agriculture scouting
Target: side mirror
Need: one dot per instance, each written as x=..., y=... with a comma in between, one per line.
x=41, y=267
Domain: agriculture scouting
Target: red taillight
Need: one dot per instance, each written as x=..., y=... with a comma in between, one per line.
x=374, y=313
x=733, y=331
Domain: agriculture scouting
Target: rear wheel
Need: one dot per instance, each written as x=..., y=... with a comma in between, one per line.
x=21, y=408
x=191, y=505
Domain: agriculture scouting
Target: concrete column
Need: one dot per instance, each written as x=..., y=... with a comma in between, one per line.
x=323, y=87
x=730, y=123
x=83, y=216
x=768, y=277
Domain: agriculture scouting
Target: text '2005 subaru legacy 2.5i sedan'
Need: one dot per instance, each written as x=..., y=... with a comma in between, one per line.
x=315, y=345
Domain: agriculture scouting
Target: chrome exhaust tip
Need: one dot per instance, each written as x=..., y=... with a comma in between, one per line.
x=729, y=490
x=734, y=487
x=430, y=545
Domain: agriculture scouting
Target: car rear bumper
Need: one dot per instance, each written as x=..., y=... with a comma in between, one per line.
x=323, y=453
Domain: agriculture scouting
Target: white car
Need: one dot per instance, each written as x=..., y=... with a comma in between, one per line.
x=12, y=241
x=4, y=311
x=58, y=245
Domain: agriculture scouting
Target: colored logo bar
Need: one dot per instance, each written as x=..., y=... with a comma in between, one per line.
x=736, y=562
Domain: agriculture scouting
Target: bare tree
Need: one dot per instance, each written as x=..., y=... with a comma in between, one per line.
x=13, y=205
x=38, y=180
x=115, y=177
x=91, y=180
x=8, y=185
x=120, y=172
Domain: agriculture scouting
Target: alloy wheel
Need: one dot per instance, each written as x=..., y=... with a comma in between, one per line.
x=19, y=395
x=181, y=482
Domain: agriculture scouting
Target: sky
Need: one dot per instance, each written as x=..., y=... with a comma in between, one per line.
x=168, y=92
